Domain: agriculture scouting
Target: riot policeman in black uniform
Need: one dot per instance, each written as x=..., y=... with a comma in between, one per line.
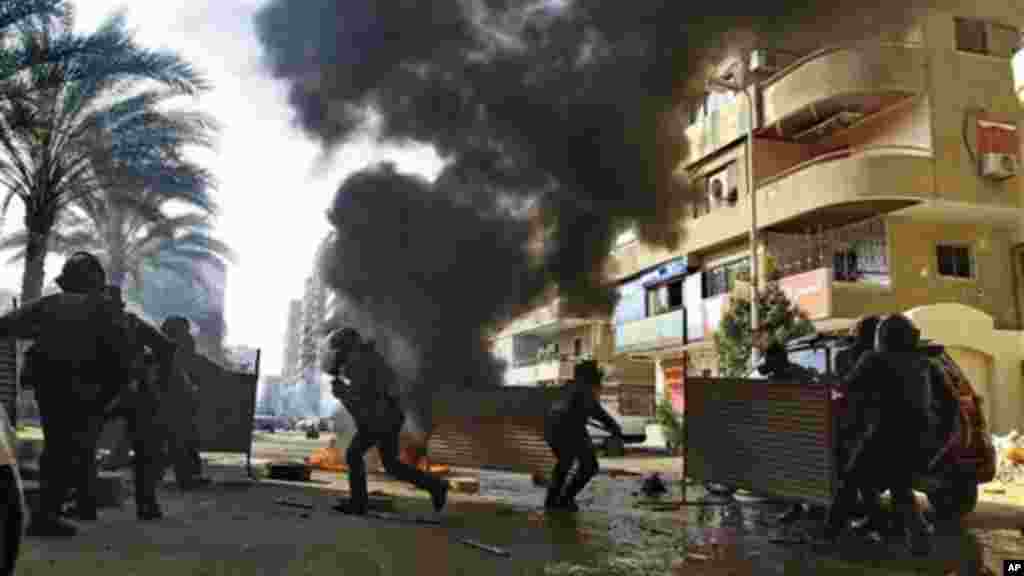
x=69, y=329
x=370, y=399
x=566, y=433
x=145, y=358
x=180, y=408
x=889, y=404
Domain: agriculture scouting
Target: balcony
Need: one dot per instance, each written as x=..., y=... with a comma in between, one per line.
x=840, y=79
x=656, y=332
x=531, y=373
x=546, y=320
x=869, y=180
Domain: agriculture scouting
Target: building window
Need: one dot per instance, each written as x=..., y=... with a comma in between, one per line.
x=988, y=38
x=577, y=347
x=665, y=298
x=955, y=261
x=722, y=278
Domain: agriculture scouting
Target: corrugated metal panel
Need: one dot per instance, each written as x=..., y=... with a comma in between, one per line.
x=769, y=438
x=514, y=444
x=9, y=377
x=500, y=428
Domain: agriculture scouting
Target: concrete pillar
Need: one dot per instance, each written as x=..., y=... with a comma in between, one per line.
x=659, y=382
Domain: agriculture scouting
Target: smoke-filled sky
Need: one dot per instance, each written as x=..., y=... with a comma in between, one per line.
x=272, y=204
x=569, y=105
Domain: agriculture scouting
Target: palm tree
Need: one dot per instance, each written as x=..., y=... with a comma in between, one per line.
x=13, y=12
x=74, y=121
x=132, y=241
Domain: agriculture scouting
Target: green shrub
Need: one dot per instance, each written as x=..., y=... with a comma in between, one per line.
x=673, y=426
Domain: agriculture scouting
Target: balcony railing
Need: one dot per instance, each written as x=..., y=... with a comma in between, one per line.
x=840, y=72
x=545, y=371
x=659, y=331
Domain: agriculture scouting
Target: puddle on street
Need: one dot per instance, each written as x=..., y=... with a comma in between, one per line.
x=613, y=535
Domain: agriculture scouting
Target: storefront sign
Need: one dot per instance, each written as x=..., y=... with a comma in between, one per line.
x=668, y=270
x=810, y=291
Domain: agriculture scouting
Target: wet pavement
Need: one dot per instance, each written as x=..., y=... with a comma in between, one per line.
x=709, y=535
x=238, y=528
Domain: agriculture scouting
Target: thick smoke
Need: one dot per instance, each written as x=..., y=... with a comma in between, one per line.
x=569, y=107
x=417, y=268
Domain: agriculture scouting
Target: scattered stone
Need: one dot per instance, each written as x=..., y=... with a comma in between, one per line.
x=492, y=549
x=698, y=557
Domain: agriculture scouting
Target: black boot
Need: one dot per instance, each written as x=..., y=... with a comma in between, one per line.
x=439, y=496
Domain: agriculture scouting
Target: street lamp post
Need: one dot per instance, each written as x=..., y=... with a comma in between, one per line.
x=716, y=84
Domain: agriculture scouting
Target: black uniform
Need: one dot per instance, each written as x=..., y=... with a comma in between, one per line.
x=869, y=495
x=69, y=332
x=178, y=412
x=889, y=420
x=145, y=360
x=566, y=434
x=379, y=419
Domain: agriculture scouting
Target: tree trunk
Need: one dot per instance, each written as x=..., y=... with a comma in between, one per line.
x=36, y=249
x=115, y=247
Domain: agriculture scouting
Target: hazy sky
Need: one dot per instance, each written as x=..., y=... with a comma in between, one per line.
x=272, y=205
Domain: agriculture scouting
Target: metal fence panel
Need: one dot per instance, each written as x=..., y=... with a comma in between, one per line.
x=771, y=438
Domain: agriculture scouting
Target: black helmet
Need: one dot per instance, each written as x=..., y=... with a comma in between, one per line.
x=343, y=338
x=864, y=332
x=896, y=333
x=82, y=272
x=176, y=326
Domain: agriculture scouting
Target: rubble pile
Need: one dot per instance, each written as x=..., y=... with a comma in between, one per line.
x=1009, y=457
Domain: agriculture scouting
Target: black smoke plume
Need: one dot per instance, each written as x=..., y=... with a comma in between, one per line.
x=570, y=107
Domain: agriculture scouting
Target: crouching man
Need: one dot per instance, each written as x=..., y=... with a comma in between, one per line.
x=370, y=399
x=566, y=433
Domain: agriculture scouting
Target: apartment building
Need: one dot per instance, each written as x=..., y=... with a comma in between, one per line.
x=292, y=338
x=886, y=179
x=542, y=347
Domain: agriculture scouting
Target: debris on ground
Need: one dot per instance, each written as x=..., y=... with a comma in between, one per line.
x=485, y=547
x=654, y=486
x=616, y=473
x=465, y=485
x=290, y=471
x=293, y=504
x=1009, y=457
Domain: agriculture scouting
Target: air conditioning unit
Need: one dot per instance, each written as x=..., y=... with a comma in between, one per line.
x=722, y=188
x=764, y=61
x=998, y=166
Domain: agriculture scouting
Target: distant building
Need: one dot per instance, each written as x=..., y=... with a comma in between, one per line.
x=293, y=334
x=241, y=358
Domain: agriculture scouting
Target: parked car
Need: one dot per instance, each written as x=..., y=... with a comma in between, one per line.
x=263, y=423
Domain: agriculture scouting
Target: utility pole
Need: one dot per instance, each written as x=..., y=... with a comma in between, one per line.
x=719, y=85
